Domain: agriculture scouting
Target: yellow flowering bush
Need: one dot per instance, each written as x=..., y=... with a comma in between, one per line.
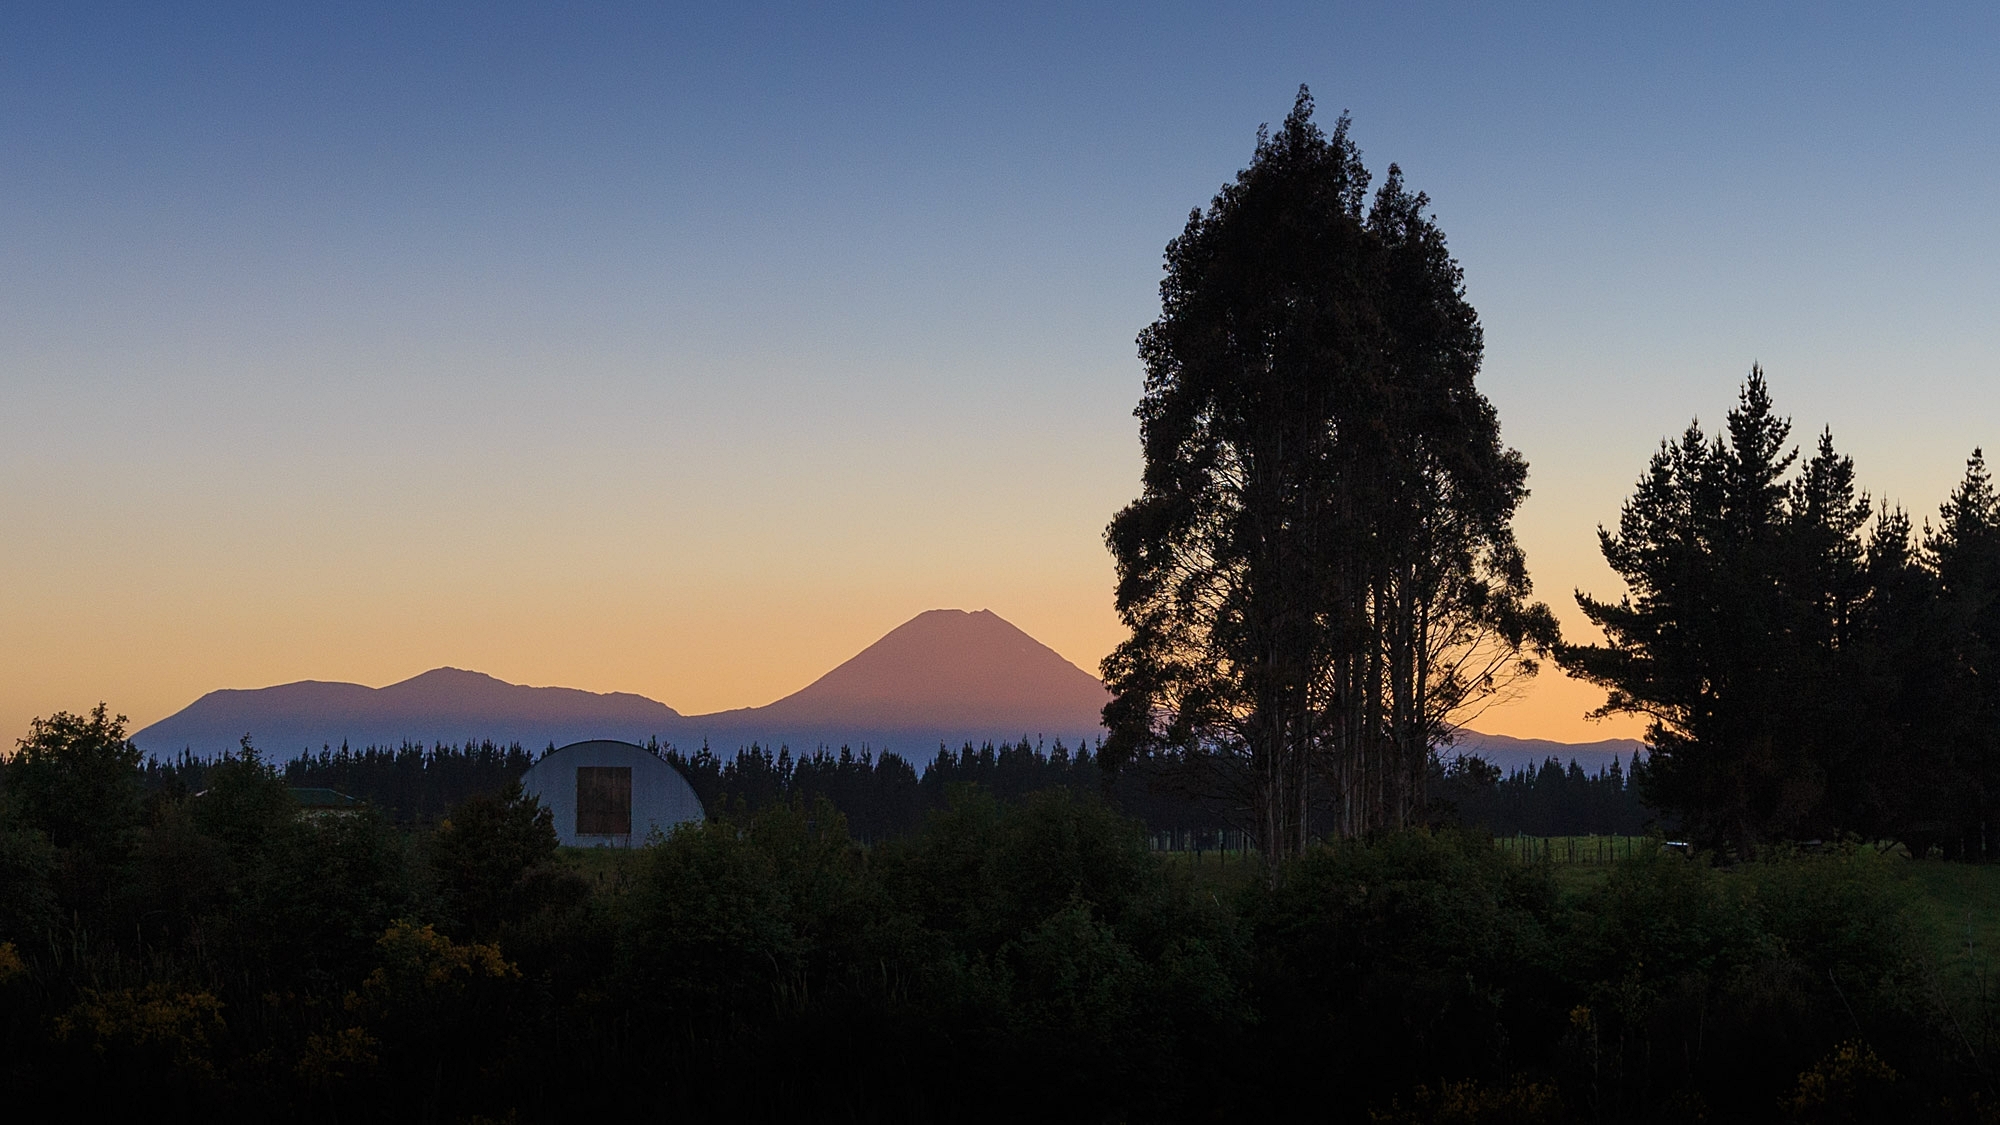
x=180, y=1025
x=419, y=962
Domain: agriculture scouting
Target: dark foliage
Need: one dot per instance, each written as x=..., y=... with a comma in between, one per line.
x=1416, y=959
x=408, y=784
x=72, y=785
x=482, y=856
x=1550, y=800
x=1809, y=667
x=1320, y=568
x=1013, y=958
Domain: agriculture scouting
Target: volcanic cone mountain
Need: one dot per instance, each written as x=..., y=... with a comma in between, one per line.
x=945, y=676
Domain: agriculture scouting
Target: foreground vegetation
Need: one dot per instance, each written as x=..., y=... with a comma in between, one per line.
x=223, y=956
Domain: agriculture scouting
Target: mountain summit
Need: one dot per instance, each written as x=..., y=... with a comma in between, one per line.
x=945, y=676
x=976, y=663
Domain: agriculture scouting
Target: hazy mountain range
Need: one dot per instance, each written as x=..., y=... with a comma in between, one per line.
x=1510, y=753
x=943, y=677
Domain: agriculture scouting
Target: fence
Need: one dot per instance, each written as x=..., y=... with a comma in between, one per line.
x=1198, y=840
x=1587, y=850
x=1574, y=849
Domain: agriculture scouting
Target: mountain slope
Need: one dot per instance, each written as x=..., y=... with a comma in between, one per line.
x=1510, y=753
x=945, y=676
x=442, y=705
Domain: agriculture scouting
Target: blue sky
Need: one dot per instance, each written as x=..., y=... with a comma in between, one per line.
x=685, y=350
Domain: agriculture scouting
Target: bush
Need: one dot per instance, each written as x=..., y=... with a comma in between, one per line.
x=320, y=894
x=1058, y=945
x=1412, y=960
x=1728, y=983
x=481, y=853
x=27, y=891
x=727, y=921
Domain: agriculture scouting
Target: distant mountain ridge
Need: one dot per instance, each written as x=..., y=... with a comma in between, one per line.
x=946, y=677
x=1510, y=753
x=441, y=705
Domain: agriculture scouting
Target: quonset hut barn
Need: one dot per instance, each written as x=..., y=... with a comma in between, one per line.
x=610, y=794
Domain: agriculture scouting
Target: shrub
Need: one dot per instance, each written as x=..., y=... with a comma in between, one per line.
x=1417, y=958
x=480, y=854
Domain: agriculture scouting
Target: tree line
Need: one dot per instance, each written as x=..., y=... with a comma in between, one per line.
x=1320, y=580
x=882, y=796
x=1810, y=664
x=409, y=784
x=1552, y=799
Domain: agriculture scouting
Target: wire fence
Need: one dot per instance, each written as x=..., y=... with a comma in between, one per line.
x=1228, y=841
x=1225, y=844
x=1589, y=850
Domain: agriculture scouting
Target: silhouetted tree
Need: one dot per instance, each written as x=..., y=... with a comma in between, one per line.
x=1749, y=629
x=1893, y=781
x=1319, y=571
x=74, y=780
x=243, y=804
x=1962, y=552
x=481, y=851
x=1824, y=570
x=74, y=777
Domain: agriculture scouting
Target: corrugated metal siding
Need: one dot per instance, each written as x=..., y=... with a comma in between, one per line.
x=660, y=797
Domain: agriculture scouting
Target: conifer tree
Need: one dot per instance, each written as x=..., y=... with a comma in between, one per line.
x=1963, y=553
x=1735, y=636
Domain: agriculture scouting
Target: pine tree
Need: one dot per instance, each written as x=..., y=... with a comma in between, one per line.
x=1736, y=637
x=1963, y=553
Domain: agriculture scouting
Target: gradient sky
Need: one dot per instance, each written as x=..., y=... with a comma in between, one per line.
x=687, y=350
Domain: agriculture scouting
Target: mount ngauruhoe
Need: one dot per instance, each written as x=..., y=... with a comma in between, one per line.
x=945, y=677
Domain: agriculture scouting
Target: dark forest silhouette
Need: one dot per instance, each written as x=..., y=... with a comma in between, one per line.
x=884, y=796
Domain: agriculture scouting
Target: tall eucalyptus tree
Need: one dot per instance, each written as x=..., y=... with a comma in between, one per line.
x=1320, y=571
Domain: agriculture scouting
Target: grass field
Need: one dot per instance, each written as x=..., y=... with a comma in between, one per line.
x=604, y=867
x=1589, y=850
x=1959, y=904
x=1219, y=873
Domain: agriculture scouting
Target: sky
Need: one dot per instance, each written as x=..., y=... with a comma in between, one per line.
x=685, y=350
